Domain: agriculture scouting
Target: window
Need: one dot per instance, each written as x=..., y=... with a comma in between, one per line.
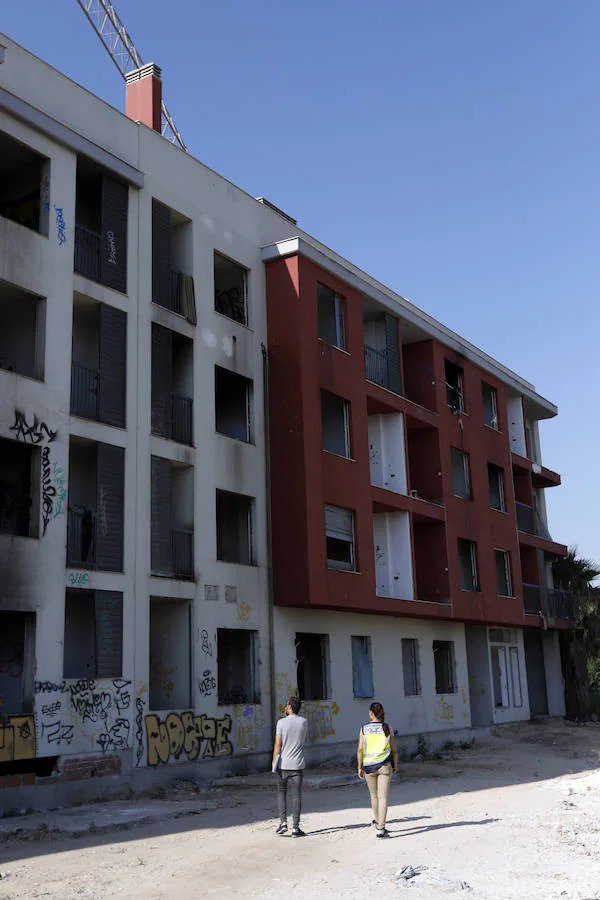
x=100, y=226
x=231, y=287
x=233, y=402
x=234, y=528
x=312, y=666
x=362, y=666
x=99, y=362
x=19, y=488
x=410, y=667
x=339, y=529
x=172, y=519
x=467, y=559
x=489, y=400
x=24, y=176
x=93, y=639
x=331, y=317
x=172, y=242
x=443, y=660
x=454, y=386
x=503, y=573
x=335, y=420
x=172, y=385
x=170, y=651
x=460, y=473
x=237, y=666
x=496, y=484
x=22, y=331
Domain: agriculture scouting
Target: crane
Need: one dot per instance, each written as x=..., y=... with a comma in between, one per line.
x=105, y=21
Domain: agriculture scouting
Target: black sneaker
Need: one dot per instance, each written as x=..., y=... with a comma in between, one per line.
x=374, y=823
x=281, y=829
x=297, y=832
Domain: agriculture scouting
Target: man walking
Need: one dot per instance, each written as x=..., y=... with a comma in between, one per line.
x=288, y=762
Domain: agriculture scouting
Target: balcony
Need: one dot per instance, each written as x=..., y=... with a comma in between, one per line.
x=181, y=418
x=378, y=369
x=525, y=520
x=531, y=599
x=88, y=246
x=84, y=391
x=182, y=553
x=81, y=537
x=560, y=604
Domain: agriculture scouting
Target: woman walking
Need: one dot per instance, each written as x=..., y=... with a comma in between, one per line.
x=377, y=758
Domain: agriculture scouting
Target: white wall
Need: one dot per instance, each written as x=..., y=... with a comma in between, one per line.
x=555, y=686
x=516, y=424
x=393, y=557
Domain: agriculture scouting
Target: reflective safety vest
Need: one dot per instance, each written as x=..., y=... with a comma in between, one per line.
x=376, y=746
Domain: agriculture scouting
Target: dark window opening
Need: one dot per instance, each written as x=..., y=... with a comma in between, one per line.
x=339, y=531
x=24, y=185
x=383, y=363
x=233, y=405
x=234, y=528
x=362, y=666
x=454, y=386
x=331, y=317
x=231, y=289
x=503, y=575
x=312, y=666
x=99, y=362
x=443, y=659
x=467, y=558
x=237, y=666
x=22, y=331
x=101, y=204
x=170, y=653
x=172, y=385
x=410, y=667
x=19, y=488
x=17, y=662
x=335, y=422
x=172, y=256
x=496, y=485
x=172, y=519
x=489, y=400
x=461, y=483
x=93, y=644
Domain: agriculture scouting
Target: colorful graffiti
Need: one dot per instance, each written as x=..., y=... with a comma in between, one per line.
x=244, y=610
x=443, y=711
x=189, y=734
x=249, y=726
x=318, y=713
x=17, y=738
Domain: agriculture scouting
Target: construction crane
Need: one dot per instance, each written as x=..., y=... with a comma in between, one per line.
x=105, y=21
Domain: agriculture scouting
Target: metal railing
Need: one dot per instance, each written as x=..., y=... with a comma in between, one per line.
x=81, y=534
x=182, y=553
x=181, y=298
x=560, y=604
x=531, y=599
x=525, y=518
x=84, y=391
x=182, y=419
x=88, y=246
x=376, y=366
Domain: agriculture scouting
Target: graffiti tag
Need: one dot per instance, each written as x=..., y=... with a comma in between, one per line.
x=34, y=432
x=189, y=734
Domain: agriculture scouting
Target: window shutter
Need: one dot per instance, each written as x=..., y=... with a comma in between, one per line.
x=160, y=525
x=393, y=353
x=187, y=298
x=161, y=255
x=113, y=366
x=113, y=260
x=109, y=509
x=162, y=381
x=339, y=523
x=108, y=609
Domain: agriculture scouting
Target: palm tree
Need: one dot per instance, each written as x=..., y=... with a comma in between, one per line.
x=581, y=646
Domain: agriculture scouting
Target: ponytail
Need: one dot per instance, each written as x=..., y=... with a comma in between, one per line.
x=379, y=713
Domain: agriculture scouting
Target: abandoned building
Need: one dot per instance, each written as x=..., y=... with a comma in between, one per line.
x=233, y=467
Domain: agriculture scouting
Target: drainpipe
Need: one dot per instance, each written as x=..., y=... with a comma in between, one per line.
x=272, y=705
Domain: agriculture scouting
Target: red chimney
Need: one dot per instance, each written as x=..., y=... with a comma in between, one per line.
x=144, y=95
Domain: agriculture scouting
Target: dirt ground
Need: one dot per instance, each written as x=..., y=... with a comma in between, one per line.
x=515, y=816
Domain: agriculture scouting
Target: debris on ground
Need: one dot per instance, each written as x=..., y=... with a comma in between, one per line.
x=419, y=876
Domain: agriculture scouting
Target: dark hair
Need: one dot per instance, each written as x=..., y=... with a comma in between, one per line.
x=379, y=713
x=294, y=703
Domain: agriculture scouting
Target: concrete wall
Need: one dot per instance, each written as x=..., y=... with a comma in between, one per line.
x=555, y=686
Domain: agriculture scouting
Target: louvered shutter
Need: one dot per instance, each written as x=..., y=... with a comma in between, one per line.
x=109, y=509
x=161, y=255
x=113, y=258
x=393, y=354
x=162, y=381
x=113, y=366
x=160, y=525
x=108, y=611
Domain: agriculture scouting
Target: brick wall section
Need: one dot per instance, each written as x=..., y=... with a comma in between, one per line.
x=70, y=768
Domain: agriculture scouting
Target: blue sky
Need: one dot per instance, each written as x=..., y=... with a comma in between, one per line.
x=449, y=147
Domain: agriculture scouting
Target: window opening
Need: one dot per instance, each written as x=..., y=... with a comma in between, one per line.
x=454, y=386
x=234, y=528
x=335, y=422
x=362, y=666
x=461, y=482
x=170, y=656
x=331, y=317
x=231, y=289
x=496, y=486
x=489, y=399
x=237, y=666
x=93, y=640
x=503, y=578
x=467, y=557
x=339, y=530
x=312, y=666
x=233, y=404
x=24, y=185
x=410, y=667
x=443, y=658
x=19, y=488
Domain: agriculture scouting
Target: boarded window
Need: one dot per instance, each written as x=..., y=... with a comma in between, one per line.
x=410, y=667
x=362, y=666
x=467, y=560
x=93, y=642
x=335, y=422
x=443, y=659
x=162, y=280
x=489, y=400
x=503, y=578
x=461, y=482
x=170, y=653
x=234, y=528
x=233, y=404
x=496, y=485
x=339, y=530
x=454, y=386
x=312, y=666
x=237, y=662
x=19, y=488
x=231, y=284
x=331, y=317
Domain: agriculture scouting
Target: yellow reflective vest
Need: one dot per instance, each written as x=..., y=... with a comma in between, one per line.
x=376, y=749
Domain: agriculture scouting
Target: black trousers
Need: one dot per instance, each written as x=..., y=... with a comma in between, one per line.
x=290, y=779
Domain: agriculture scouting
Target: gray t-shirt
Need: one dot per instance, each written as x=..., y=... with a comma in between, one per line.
x=293, y=734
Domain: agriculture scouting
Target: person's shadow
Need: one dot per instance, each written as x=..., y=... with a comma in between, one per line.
x=423, y=829
x=366, y=825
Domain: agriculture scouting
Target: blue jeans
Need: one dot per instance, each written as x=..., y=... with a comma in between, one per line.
x=292, y=779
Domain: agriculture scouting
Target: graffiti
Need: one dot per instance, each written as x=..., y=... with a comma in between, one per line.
x=319, y=715
x=11, y=660
x=443, y=710
x=250, y=723
x=60, y=483
x=207, y=684
x=187, y=733
x=206, y=644
x=93, y=706
x=79, y=579
x=57, y=733
x=61, y=227
x=49, y=687
x=244, y=611
x=116, y=738
x=51, y=709
x=112, y=248
x=48, y=489
x=34, y=432
x=139, y=729
x=80, y=686
x=17, y=738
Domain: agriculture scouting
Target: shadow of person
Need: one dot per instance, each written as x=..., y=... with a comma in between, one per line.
x=423, y=829
x=359, y=825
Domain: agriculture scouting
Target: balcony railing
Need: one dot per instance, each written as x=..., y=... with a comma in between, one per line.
x=182, y=550
x=81, y=533
x=525, y=518
x=181, y=418
x=84, y=391
x=88, y=246
x=181, y=298
x=560, y=604
x=531, y=599
x=377, y=368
